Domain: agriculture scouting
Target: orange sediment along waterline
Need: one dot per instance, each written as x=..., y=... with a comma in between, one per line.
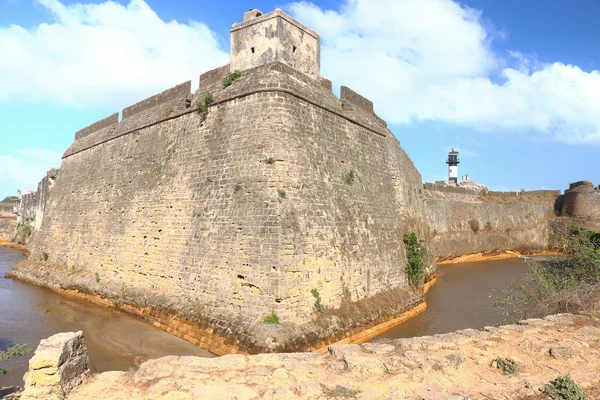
x=11, y=245
x=483, y=256
x=430, y=283
x=205, y=338
x=370, y=333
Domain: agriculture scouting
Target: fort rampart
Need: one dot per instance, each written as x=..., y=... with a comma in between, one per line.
x=279, y=192
x=464, y=223
x=582, y=200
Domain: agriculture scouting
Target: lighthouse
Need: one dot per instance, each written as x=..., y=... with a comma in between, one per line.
x=453, y=162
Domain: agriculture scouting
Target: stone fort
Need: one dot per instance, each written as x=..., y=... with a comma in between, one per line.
x=203, y=215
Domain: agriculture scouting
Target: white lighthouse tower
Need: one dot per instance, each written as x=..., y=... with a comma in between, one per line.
x=453, y=162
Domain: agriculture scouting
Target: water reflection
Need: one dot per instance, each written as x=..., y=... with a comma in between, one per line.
x=29, y=314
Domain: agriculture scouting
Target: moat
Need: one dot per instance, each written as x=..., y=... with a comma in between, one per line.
x=115, y=341
x=461, y=299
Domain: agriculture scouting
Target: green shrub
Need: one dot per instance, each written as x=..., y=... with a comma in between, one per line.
x=272, y=319
x=15, y=351
x=237, y=188
x=168, y=111
x=318, y=306
x=97, y=275
x=208, y=99
x=566, y=283
x=202, y=106
x=230, y=78
x=44, y=256
x=415, y=252
x=269, y=160
x=563, y=388
x=507, y=365
x=488, y=225
x=348, y=177
x=281, y=193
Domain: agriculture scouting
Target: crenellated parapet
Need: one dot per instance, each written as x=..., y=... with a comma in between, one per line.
x=107, y=123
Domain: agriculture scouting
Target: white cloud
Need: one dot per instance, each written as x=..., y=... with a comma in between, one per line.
x=432, y=60
x=102, y=55
x=23, y=169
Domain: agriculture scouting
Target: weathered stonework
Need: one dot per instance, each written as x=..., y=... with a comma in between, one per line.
x=219, y=221
x=261, y=39
x=463, y=223
x=59, y=364
x=582, y=200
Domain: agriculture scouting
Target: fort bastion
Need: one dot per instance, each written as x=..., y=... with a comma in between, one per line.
x=205, y=223
x=262, y=193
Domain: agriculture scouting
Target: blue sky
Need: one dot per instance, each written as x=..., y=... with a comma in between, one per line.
x=514, y=85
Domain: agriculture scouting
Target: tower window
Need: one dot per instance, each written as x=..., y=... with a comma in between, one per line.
x=293, y=49
x=252, y=48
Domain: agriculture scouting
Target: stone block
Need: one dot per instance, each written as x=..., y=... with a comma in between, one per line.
x=59, y=363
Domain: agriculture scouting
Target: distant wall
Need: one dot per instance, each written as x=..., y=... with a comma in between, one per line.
x=44, y=188
x=8, y=226
x=582, y=200
x=460, y=224
x=27, y=207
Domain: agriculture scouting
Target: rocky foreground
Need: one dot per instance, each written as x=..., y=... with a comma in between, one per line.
x=457, y=365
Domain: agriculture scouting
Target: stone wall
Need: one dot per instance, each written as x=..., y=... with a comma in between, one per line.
x=582, y=200
x=185, y=214
x=43, y=192
x=460, y=224
x=8, y=225
x=26, y=208
x=264, y=38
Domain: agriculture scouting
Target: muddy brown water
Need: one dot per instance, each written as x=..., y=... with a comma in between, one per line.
x=463, y=298
x=115, y=341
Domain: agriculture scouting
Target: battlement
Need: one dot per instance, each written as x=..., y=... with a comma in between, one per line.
x=581, y=186
x=96, y=126
x=179, y=91
x=349, y=95
x=264, y=38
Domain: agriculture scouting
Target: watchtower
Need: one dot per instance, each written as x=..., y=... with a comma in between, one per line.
x=453, y=162
x=264, y=38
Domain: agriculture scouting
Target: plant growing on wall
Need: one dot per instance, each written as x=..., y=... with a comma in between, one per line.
x=415, y=252
x=488, y=225
x=349, y=177
x=318, y=306
x=202, y=106
x=272, y=319
x=270, y=160
x=230, y=78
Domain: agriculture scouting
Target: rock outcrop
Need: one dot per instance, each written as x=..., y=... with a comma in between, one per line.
x=456, y=365
x=59, y=364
